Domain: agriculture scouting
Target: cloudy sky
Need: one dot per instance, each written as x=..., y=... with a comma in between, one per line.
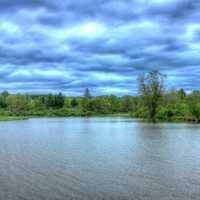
x=67, y=45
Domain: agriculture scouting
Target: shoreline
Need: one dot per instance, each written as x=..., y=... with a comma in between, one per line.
x=13, y=118
x=18, y=118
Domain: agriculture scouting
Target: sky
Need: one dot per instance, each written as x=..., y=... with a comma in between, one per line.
x=67, y=45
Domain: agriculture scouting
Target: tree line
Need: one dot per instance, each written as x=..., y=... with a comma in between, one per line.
x=153, y=103
x=60, y=105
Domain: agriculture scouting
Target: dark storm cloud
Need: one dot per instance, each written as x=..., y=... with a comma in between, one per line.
x=174, y=9
x=48, y=46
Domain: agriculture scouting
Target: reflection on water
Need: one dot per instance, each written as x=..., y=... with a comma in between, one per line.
x=98, y=158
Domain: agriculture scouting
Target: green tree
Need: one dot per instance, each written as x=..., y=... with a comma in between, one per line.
x=127, y=104
x=18, y=104
x=67, y=103
x=151, y=87
x=114, y=103
x=74, y=103
x=87, y=93
x=193, y=102
x=50, y=101
x=86, y=102
x=3, y=97
x=101, y=105
x=182, y=94
x=38, y=103
x=59, y=100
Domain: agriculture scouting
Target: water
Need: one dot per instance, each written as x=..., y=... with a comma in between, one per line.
x=98, y=158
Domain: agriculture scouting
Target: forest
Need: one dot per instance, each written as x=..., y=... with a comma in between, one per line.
x=153, y=103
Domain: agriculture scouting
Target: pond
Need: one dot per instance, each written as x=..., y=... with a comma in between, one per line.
x=98, y=158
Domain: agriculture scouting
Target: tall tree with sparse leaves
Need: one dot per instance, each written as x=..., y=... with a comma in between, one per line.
x=87, y=93
x=86, y=102
x=151, y=87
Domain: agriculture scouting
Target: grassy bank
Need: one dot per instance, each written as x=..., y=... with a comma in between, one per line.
x=59, y=113
x=178, y=120
x=12, y=118
x=168, y=115
x=111, y=115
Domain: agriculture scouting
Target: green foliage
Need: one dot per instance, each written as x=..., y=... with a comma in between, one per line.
x=38, y=103
x=67, y=102
x=193, y=102
x=10, y=118
x=182, y=94
x=114, y=102
x=50, y=101
x=59, y=100
x=140, y=112
x=151, y=89
x=87, y=102
x=127, y=104
x=3, y=96
x=18, y=104
x=74, y=103
x=169, y=106
x=56, y=101
x=100, y=105
x=170, y=113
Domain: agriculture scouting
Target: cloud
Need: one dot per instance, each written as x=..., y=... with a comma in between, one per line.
x=49, y=46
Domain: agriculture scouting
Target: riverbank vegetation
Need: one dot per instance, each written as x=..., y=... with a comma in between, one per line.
x=154, y=103
x=12, y=118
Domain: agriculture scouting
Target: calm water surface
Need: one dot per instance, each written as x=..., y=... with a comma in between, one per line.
x=98, y=158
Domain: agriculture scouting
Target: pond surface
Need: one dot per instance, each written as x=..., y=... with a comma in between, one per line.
x=98, y=159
